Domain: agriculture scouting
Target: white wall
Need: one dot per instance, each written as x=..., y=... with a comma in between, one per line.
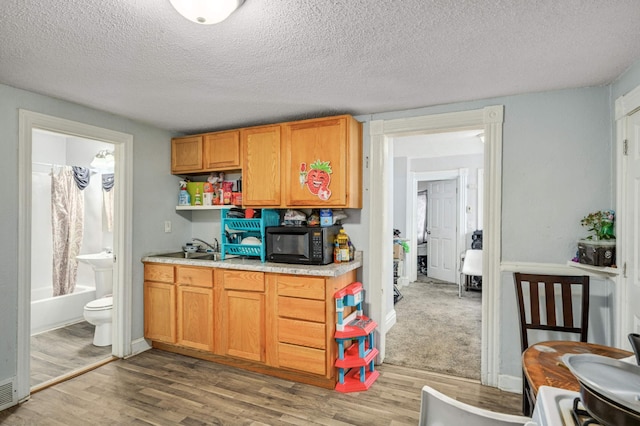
x=556, y=168
x=154, y=202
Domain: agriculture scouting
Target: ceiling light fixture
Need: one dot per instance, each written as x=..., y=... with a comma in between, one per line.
x=206, y=12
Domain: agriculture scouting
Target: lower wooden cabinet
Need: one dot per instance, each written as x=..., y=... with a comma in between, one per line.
x=178, y=305
x=160, y=311
x=159, y=303
x=244, y=331
x=306, y=318
x=242, y=306
x=273, y=323
x=195, y=317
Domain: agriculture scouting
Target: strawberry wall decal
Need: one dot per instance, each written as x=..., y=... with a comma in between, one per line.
x=317, y=178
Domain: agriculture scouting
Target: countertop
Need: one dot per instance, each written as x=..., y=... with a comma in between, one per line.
x=254, y=264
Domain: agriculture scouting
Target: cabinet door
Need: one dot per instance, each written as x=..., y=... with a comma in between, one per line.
x=244, y=324
x=186, y=154
x=315, y=163
x=195, y=317
x=261, y=166
x=222, y=151
x=160, y=311
x=322, y=162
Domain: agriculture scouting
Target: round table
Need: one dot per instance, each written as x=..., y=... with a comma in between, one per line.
x=542, y=362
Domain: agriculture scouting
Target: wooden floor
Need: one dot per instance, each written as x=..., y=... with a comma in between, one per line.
x=61, y=351
x=162, y=388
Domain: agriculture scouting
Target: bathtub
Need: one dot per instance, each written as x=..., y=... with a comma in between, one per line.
x=49, y=312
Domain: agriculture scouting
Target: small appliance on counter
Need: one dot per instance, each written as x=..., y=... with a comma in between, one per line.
x=301, y=244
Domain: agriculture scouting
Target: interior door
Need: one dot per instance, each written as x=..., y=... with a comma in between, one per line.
x=441, y=229
x=633, y=222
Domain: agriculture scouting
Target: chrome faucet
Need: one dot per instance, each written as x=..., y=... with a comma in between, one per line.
x=215, y=246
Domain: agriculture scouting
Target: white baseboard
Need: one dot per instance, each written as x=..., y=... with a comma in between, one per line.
x=390, y=320
x=139, y=346
x=510, y=383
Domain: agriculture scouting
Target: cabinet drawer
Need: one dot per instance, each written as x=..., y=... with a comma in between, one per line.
x=243, y=280
x=302, y=358
x=304, y=309
x=158, y=273
x=304, y=333
x=202, y=277
x=304, y=287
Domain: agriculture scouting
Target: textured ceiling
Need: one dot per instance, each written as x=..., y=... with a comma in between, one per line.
x=276, y=60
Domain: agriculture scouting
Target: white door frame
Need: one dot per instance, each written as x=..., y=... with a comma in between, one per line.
x=122, y=285
x=461, y=175
x=380, y=274
x=625, y=106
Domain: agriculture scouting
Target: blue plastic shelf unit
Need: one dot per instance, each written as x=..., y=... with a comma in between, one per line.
x=239, y=228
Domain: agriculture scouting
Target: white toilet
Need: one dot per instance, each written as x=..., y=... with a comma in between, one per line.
x=99, y=312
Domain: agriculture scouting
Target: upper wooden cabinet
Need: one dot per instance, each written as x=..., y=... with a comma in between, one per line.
x=222, y=150
x=261, y=147
x=310, y=163
x=206, y=153
x=322, y=162
x=186, y=154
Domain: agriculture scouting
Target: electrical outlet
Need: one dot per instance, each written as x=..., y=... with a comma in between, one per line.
x=167, y=226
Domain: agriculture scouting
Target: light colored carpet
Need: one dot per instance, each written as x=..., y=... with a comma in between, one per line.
x=435, y=330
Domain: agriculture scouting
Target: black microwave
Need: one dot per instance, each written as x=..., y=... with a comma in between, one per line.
x=301, y=244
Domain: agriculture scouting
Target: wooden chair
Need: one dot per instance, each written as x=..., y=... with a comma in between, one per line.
x=437, y=409
x=553, y=316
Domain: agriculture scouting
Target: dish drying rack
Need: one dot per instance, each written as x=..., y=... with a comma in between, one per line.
x=234, y=230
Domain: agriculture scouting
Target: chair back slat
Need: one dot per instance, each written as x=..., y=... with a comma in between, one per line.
x=555, y=286
x=535, y=307
x=550, y=302
x=567, y=306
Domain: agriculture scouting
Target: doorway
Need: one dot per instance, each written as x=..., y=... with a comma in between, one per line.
x=627, y=108
x=30, y=122
x=441, y=212
x=71, y=217
x=379, y=275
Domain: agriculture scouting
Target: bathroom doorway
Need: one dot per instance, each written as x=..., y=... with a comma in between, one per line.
x=80, y=141
x=71, y=215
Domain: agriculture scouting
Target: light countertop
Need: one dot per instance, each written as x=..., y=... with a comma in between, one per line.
x=254, y=264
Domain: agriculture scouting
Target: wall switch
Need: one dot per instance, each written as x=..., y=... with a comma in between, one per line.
x=167, y=226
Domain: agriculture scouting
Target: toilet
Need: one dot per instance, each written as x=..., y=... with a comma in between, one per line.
x=99, y=313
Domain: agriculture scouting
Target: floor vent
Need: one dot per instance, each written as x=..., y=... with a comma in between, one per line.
x=7, y=394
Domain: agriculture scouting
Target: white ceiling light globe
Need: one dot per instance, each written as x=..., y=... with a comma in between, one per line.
x=206, y=11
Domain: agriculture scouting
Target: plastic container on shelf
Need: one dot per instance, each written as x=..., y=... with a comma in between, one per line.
x=235, y=230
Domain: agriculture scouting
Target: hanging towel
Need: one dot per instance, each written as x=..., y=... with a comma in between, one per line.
x=107, y=181
x=107, y=202
x=81, y=176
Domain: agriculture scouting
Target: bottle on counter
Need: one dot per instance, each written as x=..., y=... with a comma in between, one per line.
x=336, y=251
x=197, y=198
x=343, y=246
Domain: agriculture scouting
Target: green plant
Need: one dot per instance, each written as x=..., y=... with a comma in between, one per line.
x=600, y=224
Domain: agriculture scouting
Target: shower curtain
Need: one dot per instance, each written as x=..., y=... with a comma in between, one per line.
x=67, y=218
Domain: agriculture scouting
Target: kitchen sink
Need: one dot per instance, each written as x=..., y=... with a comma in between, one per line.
x=192, y=256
